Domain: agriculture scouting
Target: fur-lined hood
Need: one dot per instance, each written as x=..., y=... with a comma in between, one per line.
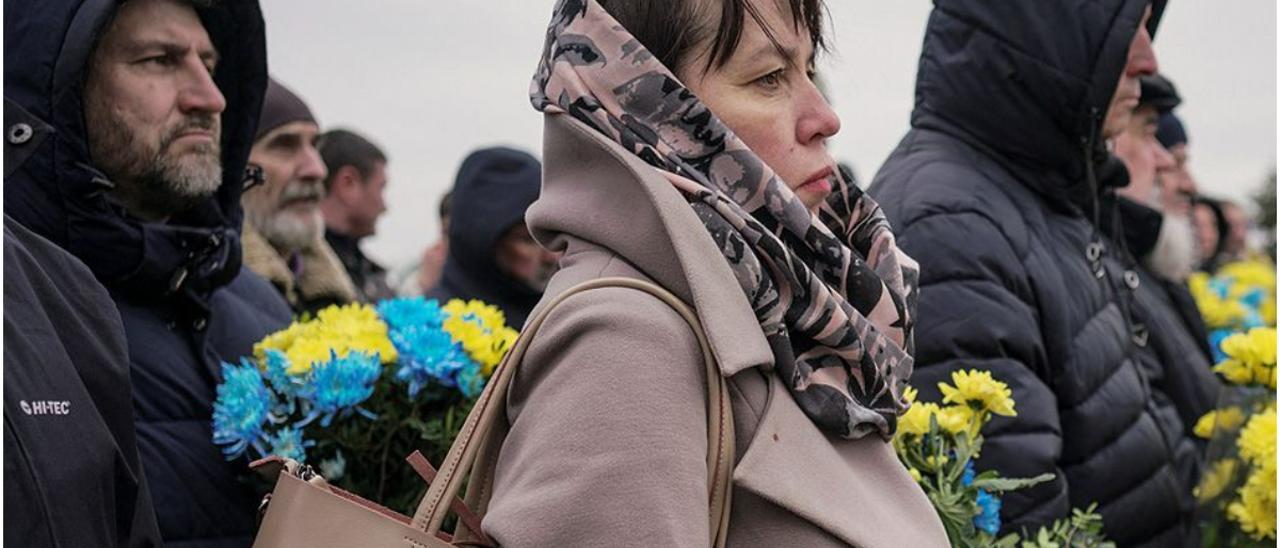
x=322, y=281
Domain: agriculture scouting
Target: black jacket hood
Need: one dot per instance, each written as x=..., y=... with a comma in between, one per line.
x=1028, y=82
x=493, y=189
x=58, y=193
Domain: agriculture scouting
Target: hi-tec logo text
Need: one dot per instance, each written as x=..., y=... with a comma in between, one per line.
x=45, y=407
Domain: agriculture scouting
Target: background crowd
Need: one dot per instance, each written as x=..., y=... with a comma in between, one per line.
x=169, y=202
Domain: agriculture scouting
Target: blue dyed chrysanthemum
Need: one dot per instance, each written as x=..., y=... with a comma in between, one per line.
x=336, y=387
x=288, y=443
x=1221, y=287
x=1215, y=343
x=1253, y=297
x=409, y=313
x=989, y=519
x=471, y=380
x=277, y=373
x=242, y=408
x=429, y=356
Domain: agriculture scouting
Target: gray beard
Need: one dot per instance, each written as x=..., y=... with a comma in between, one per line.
x=1175, y=254
x=287, y=232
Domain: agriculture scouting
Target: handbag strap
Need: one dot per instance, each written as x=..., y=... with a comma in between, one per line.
x=490, y=408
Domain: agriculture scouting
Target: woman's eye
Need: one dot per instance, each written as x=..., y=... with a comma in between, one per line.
x=771, y=80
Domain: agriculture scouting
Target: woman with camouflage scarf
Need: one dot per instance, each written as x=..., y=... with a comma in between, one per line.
x=687, y=148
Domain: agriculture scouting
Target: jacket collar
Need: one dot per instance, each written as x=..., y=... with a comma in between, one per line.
x=322, y=277
x=595, y=190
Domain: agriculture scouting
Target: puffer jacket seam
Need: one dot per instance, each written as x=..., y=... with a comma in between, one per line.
x=1095, y=392
x=1111, y=442
x=1155, y=474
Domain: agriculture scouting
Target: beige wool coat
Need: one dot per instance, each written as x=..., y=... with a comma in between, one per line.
x=608, y=439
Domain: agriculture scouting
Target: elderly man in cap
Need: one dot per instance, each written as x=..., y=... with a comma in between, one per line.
x=284, y=229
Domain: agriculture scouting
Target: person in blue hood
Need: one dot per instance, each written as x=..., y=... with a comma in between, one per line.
x=151, y=108
x=492, y=256
x=998, y=191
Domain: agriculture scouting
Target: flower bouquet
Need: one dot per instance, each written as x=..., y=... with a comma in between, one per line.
x=1237, y=492
x=1241, y=296
x=939, y=444
x=357, y=388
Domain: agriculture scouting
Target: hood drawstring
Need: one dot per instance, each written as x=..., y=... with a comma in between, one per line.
x=1097, y=249
x=1094, y=251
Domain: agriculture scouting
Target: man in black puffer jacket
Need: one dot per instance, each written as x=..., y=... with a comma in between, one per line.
x=140, y=180
x=995, y=192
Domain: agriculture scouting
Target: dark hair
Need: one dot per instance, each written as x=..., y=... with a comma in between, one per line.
x=446, y=204
x=340, y=147
x=1220, y=220
x=670, y=28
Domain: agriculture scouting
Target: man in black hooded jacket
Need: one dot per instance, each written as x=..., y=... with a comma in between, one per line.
x=152, y=106
x=492, y=256
x=995, y=192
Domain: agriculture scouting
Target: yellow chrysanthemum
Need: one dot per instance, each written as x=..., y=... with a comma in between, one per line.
x=1215, y=479
x=340, y=329
x=937, y=462
x=915, y=422
x=915, y=474
x=1251, y=357
x=1257, y=441
x=1222, y=420
x=979, y=391
x=481, y=329
x=909, y=394
x=1255, y=510
x=1250, y=274
x=1217, y=312
x=957, y=419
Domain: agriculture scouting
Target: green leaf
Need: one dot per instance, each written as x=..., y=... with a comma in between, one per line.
x=1003, y=485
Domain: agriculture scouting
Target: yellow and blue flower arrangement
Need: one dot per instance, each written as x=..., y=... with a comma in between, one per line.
x=1237, y=492
x=939, y=444
x=357, y=387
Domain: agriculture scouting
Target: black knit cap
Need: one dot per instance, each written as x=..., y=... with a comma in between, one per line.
x=1169, y=130
x=1159, y=92
x=281, y=106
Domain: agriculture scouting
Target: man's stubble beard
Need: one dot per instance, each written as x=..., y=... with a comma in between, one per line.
x=154, y=182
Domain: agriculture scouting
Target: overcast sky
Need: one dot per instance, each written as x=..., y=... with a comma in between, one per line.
x=431, y=80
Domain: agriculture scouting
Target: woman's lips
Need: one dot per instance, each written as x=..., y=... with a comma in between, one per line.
x=820, y=183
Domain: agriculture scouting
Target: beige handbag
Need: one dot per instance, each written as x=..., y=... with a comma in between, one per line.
x=305, y=511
